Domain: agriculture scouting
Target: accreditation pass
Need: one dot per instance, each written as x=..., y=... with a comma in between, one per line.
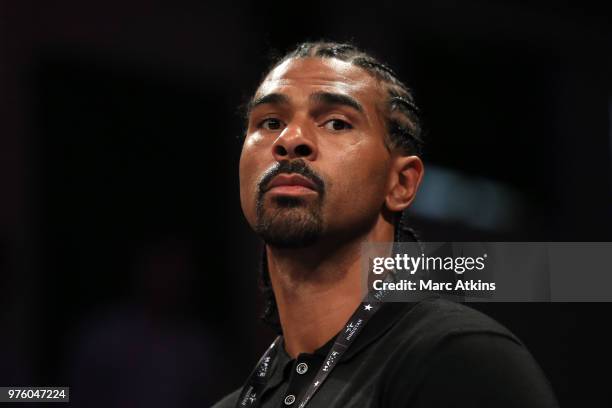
x=34, y=394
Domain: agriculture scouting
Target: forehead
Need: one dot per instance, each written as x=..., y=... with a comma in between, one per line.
x=306, y=75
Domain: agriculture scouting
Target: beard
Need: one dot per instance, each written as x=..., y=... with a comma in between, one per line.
x=290, y=222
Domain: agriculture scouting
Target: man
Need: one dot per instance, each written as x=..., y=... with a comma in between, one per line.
x=330, y=160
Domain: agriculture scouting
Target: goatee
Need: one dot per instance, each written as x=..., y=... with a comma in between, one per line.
x=290, y=222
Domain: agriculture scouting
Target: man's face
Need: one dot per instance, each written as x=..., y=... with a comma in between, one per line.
x=314, y=163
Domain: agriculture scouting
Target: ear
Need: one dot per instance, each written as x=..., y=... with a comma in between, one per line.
x=405, y=177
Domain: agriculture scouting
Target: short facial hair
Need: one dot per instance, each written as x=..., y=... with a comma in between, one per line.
x=290, y=222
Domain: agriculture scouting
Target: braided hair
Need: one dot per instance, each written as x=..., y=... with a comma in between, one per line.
x=402, y=115
x=404, y=134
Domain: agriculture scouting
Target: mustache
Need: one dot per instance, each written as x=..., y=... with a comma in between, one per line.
x=296, y=166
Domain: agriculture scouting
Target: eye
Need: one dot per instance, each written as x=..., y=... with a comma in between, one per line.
x=337, y=125
x=271, y=124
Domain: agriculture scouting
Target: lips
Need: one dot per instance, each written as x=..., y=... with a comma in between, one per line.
x=291, y=182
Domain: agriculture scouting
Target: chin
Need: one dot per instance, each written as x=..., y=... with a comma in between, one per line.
x=289, y=227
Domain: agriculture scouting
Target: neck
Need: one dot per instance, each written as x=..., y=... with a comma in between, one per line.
x=318, y=288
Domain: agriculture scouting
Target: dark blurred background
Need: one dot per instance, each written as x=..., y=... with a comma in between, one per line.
x=127, y=270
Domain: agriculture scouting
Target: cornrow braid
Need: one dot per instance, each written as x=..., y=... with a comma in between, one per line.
x=270, y=313
x=403, y=122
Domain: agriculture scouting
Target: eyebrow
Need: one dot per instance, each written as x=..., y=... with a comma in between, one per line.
x=330, y=98
x=269, y=99
x=325, y=98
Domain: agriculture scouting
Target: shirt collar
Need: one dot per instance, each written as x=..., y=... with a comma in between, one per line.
x=278, y=366
x=383, y=320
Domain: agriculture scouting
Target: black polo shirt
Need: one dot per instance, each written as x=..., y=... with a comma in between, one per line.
x=434, y=353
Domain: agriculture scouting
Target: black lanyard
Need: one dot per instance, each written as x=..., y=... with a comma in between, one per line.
x=249, y=396
x=251, y=392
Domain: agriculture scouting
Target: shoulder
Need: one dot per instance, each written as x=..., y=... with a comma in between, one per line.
x=435, y=324
x=447, y=346
x=426, y=327
x=229, y=401
x=435, y=320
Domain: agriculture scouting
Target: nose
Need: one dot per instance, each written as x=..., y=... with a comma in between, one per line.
x=293, y=144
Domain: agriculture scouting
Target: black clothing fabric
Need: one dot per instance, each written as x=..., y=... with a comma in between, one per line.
x=434, y=353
